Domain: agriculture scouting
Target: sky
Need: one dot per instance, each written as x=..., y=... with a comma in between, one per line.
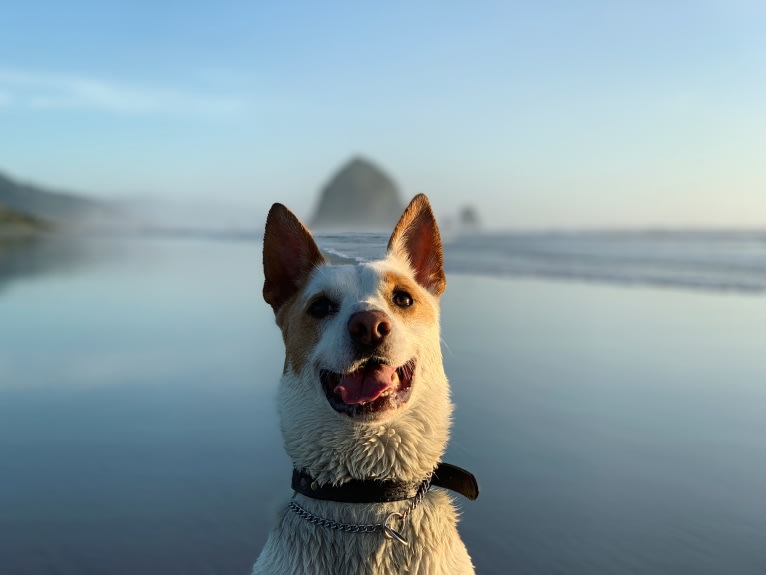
x=541, y=114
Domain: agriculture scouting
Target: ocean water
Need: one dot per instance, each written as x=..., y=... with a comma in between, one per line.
x=727, y=261
x=609, y=394
x=699, y=260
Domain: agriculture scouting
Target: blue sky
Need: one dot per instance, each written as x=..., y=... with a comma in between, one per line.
x=541, y=114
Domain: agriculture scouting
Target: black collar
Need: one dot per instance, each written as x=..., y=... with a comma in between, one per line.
x=378, y=491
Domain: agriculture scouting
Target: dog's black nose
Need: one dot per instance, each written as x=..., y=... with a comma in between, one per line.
x=369, y=328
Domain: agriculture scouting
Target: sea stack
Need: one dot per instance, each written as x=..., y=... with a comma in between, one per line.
x=359, y=197
x=469, y=219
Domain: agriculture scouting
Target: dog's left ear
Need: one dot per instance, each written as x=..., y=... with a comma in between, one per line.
x=416, y=238
x=289, y=256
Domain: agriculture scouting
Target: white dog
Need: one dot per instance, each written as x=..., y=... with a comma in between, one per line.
x=364, y=406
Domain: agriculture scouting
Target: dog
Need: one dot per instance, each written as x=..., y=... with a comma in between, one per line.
x=364, y=406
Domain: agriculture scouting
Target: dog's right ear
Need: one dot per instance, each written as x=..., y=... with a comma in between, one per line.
x=416, y=238
x=289, y=256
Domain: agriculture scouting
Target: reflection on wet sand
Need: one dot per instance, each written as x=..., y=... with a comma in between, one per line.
x=29, y=255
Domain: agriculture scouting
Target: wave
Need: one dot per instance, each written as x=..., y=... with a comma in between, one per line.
x=705, y=260
x=700, y=260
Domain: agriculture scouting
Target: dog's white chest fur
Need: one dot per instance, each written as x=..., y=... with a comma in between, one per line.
x=296, y=546
x=363, y=396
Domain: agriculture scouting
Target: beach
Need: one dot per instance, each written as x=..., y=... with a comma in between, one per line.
x=618, y=430
x=612, y=428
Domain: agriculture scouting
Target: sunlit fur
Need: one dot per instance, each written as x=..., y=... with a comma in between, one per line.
x=404, y=443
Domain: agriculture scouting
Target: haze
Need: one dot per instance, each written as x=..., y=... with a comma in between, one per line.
x=541, y=114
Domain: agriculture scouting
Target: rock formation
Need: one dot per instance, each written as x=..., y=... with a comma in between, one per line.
x=469, y=218
x=359, y=197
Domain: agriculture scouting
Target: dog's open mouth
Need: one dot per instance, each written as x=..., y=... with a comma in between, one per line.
x=373, y=387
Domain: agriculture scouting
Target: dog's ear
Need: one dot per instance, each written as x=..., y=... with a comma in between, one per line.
x=289, y=255
x=416, y=239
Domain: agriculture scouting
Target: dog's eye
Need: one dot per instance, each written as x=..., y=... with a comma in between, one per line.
x=402, y=299
x=321, y=307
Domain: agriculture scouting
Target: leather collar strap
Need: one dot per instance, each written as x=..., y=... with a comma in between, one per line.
x=456, y=479
x=377, y=491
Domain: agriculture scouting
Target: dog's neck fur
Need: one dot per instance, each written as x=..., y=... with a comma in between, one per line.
x=387, y=451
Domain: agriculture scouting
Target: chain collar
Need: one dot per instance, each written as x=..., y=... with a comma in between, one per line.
x=387, y=527
x=365, y=491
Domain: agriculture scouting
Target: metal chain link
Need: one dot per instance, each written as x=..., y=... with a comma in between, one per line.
x=419, y=496
x=384, y=527
x=329, y=523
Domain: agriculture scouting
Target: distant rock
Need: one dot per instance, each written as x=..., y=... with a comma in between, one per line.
x=359, y=197
x=37, y=202
x=469, y=218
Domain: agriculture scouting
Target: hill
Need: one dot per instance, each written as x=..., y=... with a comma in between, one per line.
x=27, y=200
x=13, y=222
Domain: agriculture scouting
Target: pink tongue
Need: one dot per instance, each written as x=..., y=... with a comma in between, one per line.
x=366, y=384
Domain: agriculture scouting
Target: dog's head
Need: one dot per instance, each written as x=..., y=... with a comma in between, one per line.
x=363, y=391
